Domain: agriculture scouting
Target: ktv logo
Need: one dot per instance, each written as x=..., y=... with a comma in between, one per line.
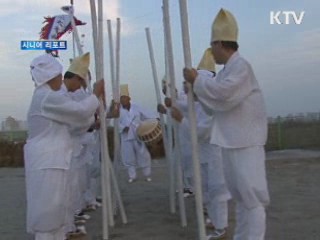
x=286, y=17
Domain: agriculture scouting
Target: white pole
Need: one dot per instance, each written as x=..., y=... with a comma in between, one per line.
x=111, y=53
x=115, y=85
x=173, y=98
x=76, y=40
x=73, y=39
x=172, y=175
x=95, y=36
x=156, y=85
x=118, y=196
x=107, y=159
x=105, y=230
x=116, y=96
x=111, y=56
x=192, y=121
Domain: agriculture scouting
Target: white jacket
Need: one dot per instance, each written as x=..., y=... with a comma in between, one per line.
x=235, y=97
x=50, y=117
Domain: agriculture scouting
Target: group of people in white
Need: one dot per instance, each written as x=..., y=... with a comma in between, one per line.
x=62, y=153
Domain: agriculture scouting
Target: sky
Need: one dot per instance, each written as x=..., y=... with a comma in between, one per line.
x=285, y=58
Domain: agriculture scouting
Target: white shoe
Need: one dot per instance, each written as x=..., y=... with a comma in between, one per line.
x=79, y=222
x=82, y=229
x=217, y=234
x=82, y=217
x=187, y=193
x=130, y=180
x=209, y=224
x=148, y=179
x=97, y=204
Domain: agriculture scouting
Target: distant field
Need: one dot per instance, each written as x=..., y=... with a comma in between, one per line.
x=281, y=135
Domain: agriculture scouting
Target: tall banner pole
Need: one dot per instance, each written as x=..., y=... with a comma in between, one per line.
x=173, y=99
x=192, y=121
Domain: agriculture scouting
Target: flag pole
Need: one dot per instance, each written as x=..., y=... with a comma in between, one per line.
x=76, y=39
x=167, y=28
x=73, y=39
x=163, y=127
x=192, y=121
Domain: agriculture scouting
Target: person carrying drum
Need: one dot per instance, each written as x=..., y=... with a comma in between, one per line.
x=134, y=152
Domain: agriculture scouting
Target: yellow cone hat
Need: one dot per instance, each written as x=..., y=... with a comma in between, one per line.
x=207, y=62
x=80, y=65
x=224, y=27
x=124, y=90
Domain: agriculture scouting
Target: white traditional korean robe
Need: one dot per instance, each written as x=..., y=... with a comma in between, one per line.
x=240, y=129
x=78, y=177
x=134, y=153
x=47, y=155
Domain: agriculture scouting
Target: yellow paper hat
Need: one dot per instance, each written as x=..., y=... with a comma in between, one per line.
x=224, y=27
x=207, y=62
x=124, y=90
x=80, y=65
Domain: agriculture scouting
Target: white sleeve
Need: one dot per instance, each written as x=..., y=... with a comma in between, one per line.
x=123, y=121
x=224, y=94
x=61, y=108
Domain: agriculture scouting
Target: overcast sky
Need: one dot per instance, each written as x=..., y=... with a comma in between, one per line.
x=285, y=58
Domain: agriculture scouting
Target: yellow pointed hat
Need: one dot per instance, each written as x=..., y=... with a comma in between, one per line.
x=207, y=62
x=124, y=90
x=80, y=65
x=224, y=27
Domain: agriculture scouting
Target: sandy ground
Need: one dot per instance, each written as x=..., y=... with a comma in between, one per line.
x=294, y=212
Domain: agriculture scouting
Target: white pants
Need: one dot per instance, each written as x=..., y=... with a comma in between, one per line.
x=47, y=195
x=246, y=179
x=77, y=180
x=250, y=223
x=215, y=192
x=135, y=154
x=56, y=235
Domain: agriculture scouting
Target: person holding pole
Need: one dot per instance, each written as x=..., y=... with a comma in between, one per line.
x=133, y=151
x=75, y=85
x=239, y=127
x=48, y=151
x=215, y=192
x=184, y=137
